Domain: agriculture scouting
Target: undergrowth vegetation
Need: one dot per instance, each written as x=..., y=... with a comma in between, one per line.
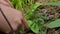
x=42, y=18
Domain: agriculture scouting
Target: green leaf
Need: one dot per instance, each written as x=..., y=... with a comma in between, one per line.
x=53, y=24
x=32, y=9
x=33, y=26
x=52, y=4
x=42, y=32
x=41, y=21
x=30, y=23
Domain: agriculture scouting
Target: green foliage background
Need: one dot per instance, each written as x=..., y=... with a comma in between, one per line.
x=36, y=21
